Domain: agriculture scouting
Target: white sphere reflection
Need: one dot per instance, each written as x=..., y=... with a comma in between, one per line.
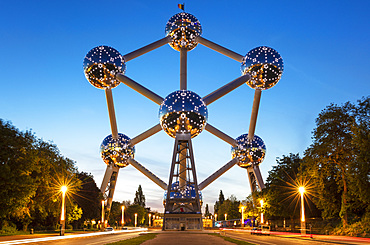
x=101, y=65
x=265, y=66
x=117, y=151
x=249, y=152
x=183, y=111
x=183, y=28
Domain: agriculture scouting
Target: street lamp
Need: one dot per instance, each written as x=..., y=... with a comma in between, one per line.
x=63, y=189
x=225, y=217
x=135, y=219
x=102, y=214
x=150, y=222
x=303, y=219
x=123, y=216
x=243, y=216
x=215, y=217
x=261, y=202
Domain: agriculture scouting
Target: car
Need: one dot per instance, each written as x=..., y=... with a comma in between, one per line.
x=109, y=229
x=254, y=230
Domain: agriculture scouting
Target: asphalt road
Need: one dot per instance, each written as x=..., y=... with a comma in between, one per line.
x=287, y=240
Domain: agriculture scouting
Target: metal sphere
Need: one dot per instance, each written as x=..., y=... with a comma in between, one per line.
x=117, y=151
x=101, y=65
x=183, y=111
x=265, y=66
x=249, y=152
x=183, y=28
x=187, y=192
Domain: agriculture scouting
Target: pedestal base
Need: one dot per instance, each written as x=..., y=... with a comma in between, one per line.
x=182, y=222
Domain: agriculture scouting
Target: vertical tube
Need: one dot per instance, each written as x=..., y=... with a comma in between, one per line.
x=112, y=114
x=256, y=105
x=183, y=69
x=182, y=166
x=123, y=216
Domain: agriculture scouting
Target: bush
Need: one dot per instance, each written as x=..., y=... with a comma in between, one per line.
x=8, y=228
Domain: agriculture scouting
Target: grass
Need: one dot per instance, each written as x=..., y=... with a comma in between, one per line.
x=231, y=239
x=136, y=240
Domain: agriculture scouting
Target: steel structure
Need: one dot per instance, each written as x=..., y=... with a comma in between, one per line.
x=183, y=116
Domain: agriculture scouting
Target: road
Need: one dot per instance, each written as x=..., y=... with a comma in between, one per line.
x=97, y=238
x=290, y=239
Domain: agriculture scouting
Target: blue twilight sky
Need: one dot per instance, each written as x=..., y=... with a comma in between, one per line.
x=324, y=44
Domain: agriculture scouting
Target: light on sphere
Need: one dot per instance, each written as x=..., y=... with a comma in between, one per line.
x=183, y=28
x=101, y=65
x=249, y=152
x=117, y=151
x=265, y=65
x=183, y=111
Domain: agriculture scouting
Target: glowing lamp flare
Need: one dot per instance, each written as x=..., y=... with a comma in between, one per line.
x=302, y=191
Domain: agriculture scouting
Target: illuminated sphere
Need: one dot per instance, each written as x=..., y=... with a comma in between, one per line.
x=265, y=66
x=183, y=28
x=101, y=65
x=187, y=193
x=117, y=151
x=249, y=153
x=183, y=111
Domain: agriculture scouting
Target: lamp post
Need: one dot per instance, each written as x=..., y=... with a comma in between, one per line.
x=63, y=189
x=242, y=216
x=303, y=219
x=261, y=202
x=102, y=214
x=123, y=216
x=135, y=219
x=215, y=217
x=150, y=222
x=225, y=217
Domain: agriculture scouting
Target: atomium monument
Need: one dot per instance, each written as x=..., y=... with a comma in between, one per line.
x=183, y=115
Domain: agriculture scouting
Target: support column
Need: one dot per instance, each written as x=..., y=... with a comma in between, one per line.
x=183, y=69
x=254, y=114
x=111, y=112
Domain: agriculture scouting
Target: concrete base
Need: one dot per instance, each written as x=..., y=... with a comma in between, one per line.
x=182, y=222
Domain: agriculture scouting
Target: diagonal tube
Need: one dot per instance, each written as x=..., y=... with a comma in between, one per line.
x=215, y=95
x=147, y=173
x=227, y=52
x=111, y=112
x=218, y=173
x=139, y=88
x=220, y=134
x=146, y=134
x=254, y=114
x=146, y=49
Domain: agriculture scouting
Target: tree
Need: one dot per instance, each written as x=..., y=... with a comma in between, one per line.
x=221, y=199
x=338, y=160
x=88, y=198
x=206, y=212
x=230, y=207
x=139, y=197
x=141, y=214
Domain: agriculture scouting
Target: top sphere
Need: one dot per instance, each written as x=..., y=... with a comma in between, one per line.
x=183, y=28
x=183, y=111
x=117, y=151
x=265, y=66
x=101, y=65
x=249, y=152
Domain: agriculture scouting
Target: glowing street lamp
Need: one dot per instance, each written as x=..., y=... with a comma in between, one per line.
x=225, y=216
x=215, y=217
x=63, y=189
x=243, y=216
x=303, y=219
x=123, y=216
x=135, y=219
x=102, y=213
x=261, y=202
x=150, y=222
